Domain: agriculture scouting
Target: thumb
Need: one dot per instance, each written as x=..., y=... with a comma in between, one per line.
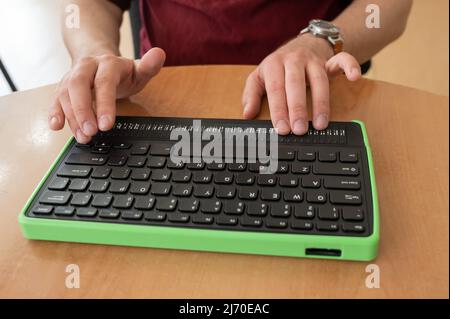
x=344, y=62
x=149, y=66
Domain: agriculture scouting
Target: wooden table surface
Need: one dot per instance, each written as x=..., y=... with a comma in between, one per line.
x=408, y=130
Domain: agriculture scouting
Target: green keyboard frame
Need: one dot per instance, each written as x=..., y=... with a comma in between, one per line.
x=276, y=244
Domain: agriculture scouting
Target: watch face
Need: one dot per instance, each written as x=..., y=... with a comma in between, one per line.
x=323, y=27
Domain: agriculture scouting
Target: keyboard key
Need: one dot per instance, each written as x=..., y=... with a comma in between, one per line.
x=123, y=201
x=327, y=156
x=283, y=168
x=156, y=162
x=304, y=212
x=334, y=182
x=188, y=205
x=144, y=202
x=102, y=200
x=74, y=171
x=257, y=209
x=103, y=144
x=161, y=175
x=306, y=155
x=119, y=187
x=86, y=212
x=101, y=172
x=299, y=168
x=237, y=167
x=120, y=173
x=327, y=226
x=348, y=156
x=58, y=184
x=181, y=177
x=352, y=213
x=78, y=185
x=311, y=182
x=293, y=195
x=203, y=191
x=226, y=221
x=86, y=159
x=288, y=181
x=140, y=174
x=202, y=177
x=316, y=197
x=175, y=166
x=160, y=149
x=121, y=145
x=117, y=160
x=202, y=219
x=228, y=192
x=249, y=193
x=353, y=228
x=234, y=208
x=280, y=210
x=328, y=213
x=335, y=169
x=182, y=190
x=166, y=204
x=139, y=188
x=251, y=222
x=55, y=198
x=345, y=198
x=100, y=150
x=196, y=166
x=245, y=179
x=267, y=180
x=211, y=207
x=155, y=216
x=178, y=218
x=64, y=211
x=302, y=225
x=269, y=194
x=276, y=223
x=140, y=149
x=216, y=166
x=99, y=186
x=42, y=210
x=109, y=213
x=286, y=154
x=161, y=189
x=137, y=161
x=132, y=215
x=223, y=178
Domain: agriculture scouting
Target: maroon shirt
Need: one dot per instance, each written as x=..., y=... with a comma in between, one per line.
x=225, y=31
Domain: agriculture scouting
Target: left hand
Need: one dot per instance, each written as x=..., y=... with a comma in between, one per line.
x=284, y=74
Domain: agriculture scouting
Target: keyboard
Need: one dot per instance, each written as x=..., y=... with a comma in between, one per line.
x=128, y=187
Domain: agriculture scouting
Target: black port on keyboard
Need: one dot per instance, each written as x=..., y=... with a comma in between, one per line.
x=323, y=252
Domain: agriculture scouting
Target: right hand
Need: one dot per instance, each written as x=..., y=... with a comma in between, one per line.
x=108, y=77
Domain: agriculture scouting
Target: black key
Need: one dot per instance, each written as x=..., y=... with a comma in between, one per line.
x=304, y=211
x=161, y=189
x=202, y=177
x=237, y=167
x=283, y=168
x=177, y=165
x=117, y=160
x=78, y=185
x=348, y=156
x=226, y=221
x=223, y=178
x=86, y=212
x=306, y=155
x=182, y=190
x=353, y=228
x=202, y=219
x=81, y=199
x=102, y=144
x=166, y=204
x=132, y=215
x=119, y=187
x=178, y=218
x=327, y=226
x=328, y=213
x=101, y=172
x=160, y=149
x=288, y=181
x=120, y=173
x=211, y=207
x=100, y=150
x=87, y=145
x=293, y=195
x=204, y=191
x=42, y=210
x=137, y=161
x=302, y=225
x=280, y=210
x=257, y=209
x=299, y=168
x=267, y=180
x=55, y=198
x=155, y=216
x=74, y=171
x=335, y=169
x=181, y=176
x=251, y=222
x=109, y=213
x=123, y=201
x=156, y=162
x=144, y=202
x=352, y=213
x=270, y=194
x=316, y=197
x=327, y=156
x=140, y=174
x=286, y=154
x=64, y=211
x=99, y=186
x=139, y=188
x=234, y=208
x=346, y=198
x=334, y=182
x=311, y=182
x=196, y=166
x=188, y=205
x=140, y=148
x=245, y=179
x=214, y=166
x=102, y=200
x=86, y=159
x=226, y=192
x=161, y=175
x=249, y=193
x=58, y=184
x=121, y=145
x=276, y=223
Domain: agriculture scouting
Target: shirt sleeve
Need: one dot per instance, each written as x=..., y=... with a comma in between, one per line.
x=122, y=4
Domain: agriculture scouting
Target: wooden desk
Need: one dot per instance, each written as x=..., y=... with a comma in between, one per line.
x=408, y=130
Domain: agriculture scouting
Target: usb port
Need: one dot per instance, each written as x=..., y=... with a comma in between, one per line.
x=323, y=252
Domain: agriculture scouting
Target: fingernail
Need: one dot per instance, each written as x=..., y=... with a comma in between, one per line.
x=81, y=138
x=89, y=128
x=354, y=72
x=300, y=127
x=321, y=122
x=54, y=121
x=282, y=127
x=104, y=122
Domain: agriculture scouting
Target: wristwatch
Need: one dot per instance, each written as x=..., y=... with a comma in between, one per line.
x=328, y=31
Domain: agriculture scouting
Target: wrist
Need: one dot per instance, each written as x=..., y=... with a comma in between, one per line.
x=92, y=52
x=319, y=45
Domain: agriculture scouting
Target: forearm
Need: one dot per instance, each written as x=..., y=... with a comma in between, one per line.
x=363, y=42
x=98, y=34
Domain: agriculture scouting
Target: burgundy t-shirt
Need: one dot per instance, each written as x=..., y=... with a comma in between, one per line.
x=225, y=31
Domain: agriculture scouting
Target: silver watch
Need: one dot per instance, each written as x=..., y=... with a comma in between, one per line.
x=326, y=30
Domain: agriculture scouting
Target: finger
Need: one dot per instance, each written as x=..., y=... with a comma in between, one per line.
x=296, y=97
x=80, y=86
x=273, y=76
x=251, y=98
x=320, y=92
x=105, y=83
x=149, y=66
x=71, y=120
x=344, y=62
x=56, y=116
